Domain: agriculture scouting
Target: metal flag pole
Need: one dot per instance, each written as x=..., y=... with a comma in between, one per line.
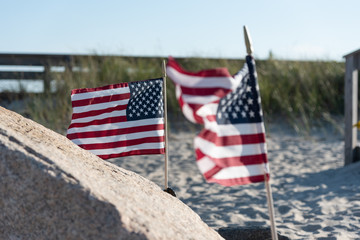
x=166, y=124
x=250, y=50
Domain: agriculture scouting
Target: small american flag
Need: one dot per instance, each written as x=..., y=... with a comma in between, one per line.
x=119, y=119
x=231, y=148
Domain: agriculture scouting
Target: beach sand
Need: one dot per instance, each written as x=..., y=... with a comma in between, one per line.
x=314, y=195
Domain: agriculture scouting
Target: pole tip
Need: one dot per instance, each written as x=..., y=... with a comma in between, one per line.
x=248, y=42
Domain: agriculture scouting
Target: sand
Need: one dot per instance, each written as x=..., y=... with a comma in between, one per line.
x=315, y=196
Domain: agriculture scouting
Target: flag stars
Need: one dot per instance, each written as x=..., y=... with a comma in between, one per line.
x=241, y=105
x=146, y=100
x=251, y=114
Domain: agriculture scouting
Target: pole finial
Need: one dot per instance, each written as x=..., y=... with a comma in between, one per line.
x=248, y=42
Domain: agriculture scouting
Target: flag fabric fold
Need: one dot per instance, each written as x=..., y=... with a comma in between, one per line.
x=193, y=90
x=120, y=119
x=231, y=149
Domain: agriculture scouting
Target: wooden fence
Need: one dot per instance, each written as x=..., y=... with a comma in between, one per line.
x=21, y=61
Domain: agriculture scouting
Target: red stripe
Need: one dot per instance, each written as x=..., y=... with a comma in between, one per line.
x=196, y=107
x=98, y=112
x=193, y=107
x=239, y=181
x=114, y=132
x=99, y=122
x=198, y=119
x=124, y=143
x=112, y=86
x=211, y=118
x=211, y=172
x=97, y=100
x=217, y=72
x=220, y=92
x=134, y=152
x=233, y=161
x=232, y=140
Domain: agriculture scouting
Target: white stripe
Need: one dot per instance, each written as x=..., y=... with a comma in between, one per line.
x=228, y=151
x=186, y=109
x=188, y=112
x=99, y=106
x=116, y=138
x=158, y=145
x=205, y=164
x=98, y=117
x=240, y=171
x=208, y=109
x=178, y=91
x=100, y=93
x=120, y=125
x=199, y=99
x=200, y=82
x=235, y=129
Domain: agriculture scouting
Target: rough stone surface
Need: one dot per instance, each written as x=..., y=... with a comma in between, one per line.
x=248, y=233
x=52, y=189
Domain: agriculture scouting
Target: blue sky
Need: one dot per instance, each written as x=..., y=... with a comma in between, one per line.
x=303, y=30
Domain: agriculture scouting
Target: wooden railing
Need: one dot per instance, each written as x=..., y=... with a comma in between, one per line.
x=46, y=61
x=30, y=60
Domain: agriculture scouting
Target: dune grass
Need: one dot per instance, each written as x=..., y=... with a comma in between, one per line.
x=301, y=93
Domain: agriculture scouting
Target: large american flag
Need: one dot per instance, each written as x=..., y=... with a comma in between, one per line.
x=231, y=148
x=119, y=119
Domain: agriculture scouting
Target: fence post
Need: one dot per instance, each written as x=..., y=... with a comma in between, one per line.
x=351, y=107
x=47, y=78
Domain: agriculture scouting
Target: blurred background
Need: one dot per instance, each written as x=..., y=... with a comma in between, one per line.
x=298, y=47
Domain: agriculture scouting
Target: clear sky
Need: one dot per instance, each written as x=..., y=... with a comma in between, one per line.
x=303, y=30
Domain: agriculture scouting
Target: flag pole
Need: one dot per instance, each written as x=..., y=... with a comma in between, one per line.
x=166, y=124
x=250, y=50
x=270, y=207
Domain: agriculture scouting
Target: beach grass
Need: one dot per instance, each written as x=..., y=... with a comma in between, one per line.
x=301, y=93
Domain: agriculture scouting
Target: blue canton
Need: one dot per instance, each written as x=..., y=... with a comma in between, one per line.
x=146, y=100
x=242, y=105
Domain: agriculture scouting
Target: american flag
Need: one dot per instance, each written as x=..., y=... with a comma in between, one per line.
x=231, y=148
x=119, y=119
x=193, y=90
